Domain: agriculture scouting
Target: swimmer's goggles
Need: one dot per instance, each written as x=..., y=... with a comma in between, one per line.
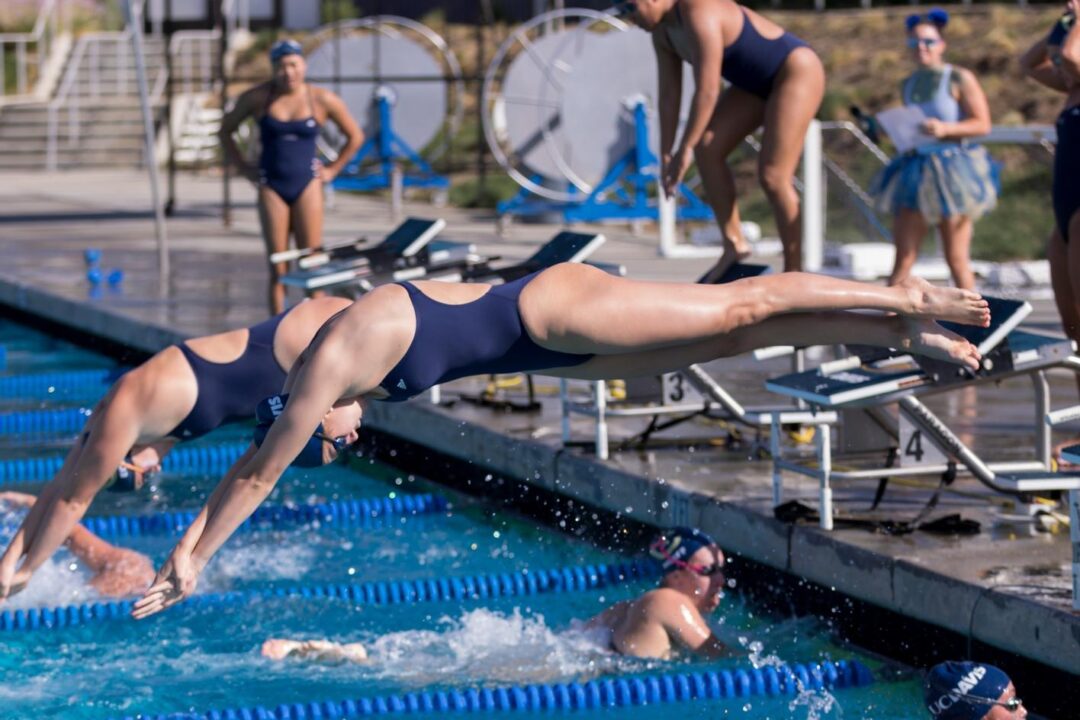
x=659, y=550
x=268, y=410
x=128, y=476
x=1012, y=704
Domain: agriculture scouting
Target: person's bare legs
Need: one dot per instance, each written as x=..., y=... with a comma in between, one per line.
x=274, y=219
x=307, y=219
x=909, y=229
x=956, y=243
x=577, y=308
x=738, y=113
x=1064, y=259
x=795, y=99
x=920, y=336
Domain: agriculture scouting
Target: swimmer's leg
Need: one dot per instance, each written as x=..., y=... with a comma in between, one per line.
x=909, y=230
x=795, y=98
x=307, y=218
x=738, y=113
x=920, y=336
x=579, y=309
x=274, y=220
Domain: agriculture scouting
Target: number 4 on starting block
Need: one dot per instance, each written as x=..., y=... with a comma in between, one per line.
x=916, y=447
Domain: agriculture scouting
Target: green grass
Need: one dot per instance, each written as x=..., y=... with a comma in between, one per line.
x=467, y=192
x=1018, y=228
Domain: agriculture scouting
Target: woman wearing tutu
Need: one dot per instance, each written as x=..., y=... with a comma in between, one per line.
x=948, y=182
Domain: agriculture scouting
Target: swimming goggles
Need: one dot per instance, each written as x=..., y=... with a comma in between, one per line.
x=1012, y=704
x=660, y=548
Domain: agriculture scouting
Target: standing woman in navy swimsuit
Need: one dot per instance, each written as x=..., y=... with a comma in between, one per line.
x=179, y=394
x=776, y=82
x=571, y=321
x=290, y=177
x=1054, y=61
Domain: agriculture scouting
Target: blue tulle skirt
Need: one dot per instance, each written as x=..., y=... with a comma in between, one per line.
x=940, y=180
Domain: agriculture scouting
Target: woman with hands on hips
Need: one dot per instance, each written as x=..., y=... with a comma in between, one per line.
x=569, y=320
x=289, y=113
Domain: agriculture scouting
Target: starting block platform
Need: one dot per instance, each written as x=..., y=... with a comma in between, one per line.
x=409, y=252
x=688, y=393
x=922, y=443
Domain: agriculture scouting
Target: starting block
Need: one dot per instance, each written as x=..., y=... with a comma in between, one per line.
x=1072, y=455
x=407, y=253
x=688, y=393
x=920, y=440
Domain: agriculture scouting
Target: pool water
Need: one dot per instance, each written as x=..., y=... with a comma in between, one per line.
x=195, y=658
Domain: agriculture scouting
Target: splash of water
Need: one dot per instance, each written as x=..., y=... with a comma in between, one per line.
x=818, y=703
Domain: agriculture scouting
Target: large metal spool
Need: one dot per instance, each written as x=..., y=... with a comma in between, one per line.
x=397, y=58
x=559, y=103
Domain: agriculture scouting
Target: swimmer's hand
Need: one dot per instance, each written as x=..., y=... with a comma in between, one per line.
x=18, y=499
x=325, y=174
x=675, y=169
x=12, y=581
x=175, y=581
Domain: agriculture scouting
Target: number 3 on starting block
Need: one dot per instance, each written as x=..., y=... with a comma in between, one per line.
x=678, y=389
x=916, y=447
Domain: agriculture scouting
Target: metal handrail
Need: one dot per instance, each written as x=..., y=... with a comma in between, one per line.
x=42, y=37
x=187, y=46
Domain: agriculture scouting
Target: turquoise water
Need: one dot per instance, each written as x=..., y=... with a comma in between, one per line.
x=198, y=658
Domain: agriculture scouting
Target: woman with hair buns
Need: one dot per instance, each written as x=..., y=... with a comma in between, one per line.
x=947, y=182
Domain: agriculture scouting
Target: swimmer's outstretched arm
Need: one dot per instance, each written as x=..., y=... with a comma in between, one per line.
x=65, y=499
x=704, y=27
x=339, y=364
x=319, y=650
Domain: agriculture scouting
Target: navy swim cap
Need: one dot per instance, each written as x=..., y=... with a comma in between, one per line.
x=268, y=410
x=285, y=47
x=963, y=690
x=676, y=546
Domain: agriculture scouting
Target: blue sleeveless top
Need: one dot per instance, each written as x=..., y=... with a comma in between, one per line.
x=942, y=105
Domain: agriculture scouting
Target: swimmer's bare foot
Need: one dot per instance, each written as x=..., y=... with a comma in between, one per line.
x=966, y=307
x=926, y=337
x=734, y=253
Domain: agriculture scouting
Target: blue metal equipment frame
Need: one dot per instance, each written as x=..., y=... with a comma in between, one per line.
x=389, y=149
x=622, y=194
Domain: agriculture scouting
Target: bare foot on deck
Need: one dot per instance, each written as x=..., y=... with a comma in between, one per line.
x=926, y=337
x=733, y=254
x=966, y=307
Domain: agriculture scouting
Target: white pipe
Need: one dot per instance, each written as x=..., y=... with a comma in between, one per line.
x=813, y=215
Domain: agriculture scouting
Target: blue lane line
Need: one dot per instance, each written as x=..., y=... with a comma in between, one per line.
x=592, y=695
x=338, y=513
x=390, y=592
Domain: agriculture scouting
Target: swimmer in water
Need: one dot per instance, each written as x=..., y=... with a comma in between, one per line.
x=117, y=572
x=318, y=650
x=673, y=615
x=971, y=691
x=571, y=321
x=180, y=394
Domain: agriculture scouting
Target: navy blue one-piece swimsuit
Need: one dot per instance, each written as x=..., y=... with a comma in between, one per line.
x=287, y=163
x=229, y=392
x=476, y=338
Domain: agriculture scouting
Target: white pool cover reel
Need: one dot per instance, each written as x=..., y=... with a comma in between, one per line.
x=559, y=106
x=395, y=48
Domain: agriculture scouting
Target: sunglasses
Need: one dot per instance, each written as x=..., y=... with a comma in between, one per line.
x=924, y=42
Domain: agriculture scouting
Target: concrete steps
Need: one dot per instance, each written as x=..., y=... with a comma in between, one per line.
x=108, y=117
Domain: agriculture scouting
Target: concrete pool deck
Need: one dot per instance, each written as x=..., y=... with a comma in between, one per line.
x=1006, y=587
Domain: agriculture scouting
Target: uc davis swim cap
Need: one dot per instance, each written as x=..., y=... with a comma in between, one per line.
x=963, y=690
x=675, y=546
x=267, y=411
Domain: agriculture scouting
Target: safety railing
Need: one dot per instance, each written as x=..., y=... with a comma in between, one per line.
x=85, y=80
x=31, y=50
x=193, y=53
